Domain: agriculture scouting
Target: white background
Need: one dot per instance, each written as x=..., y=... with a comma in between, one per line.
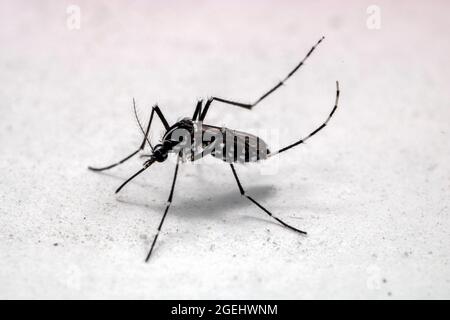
x=372, y=189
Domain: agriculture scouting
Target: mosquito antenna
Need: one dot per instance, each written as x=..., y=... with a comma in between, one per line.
x=140, y=125
x=146, y=165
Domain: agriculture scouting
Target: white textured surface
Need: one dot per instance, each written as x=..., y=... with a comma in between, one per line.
x=372, y=189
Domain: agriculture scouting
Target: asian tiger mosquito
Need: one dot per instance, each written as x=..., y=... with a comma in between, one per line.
x=252, y=148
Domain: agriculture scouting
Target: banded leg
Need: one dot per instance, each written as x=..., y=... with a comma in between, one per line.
x=141, y=147
x=265, y=95
x=315, y=131
x=169, y=201
x=241, y=190
x=198, y=110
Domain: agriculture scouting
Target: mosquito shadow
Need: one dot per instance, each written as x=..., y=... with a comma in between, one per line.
x=218, y=203
x=211, y=202
x=208, y=204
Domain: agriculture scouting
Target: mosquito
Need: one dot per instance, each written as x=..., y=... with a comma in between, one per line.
x=229, y=145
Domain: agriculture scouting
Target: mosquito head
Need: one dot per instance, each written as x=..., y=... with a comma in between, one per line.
x=161, y=151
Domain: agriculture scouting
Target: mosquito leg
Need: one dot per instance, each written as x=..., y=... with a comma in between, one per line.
x=147, y=164
x=198, y=110
x=241, y=190
x=161, y=116
x=265, y=95
x=114, y=164
x=316, y=130
x=141, y=147
x=169, y=201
